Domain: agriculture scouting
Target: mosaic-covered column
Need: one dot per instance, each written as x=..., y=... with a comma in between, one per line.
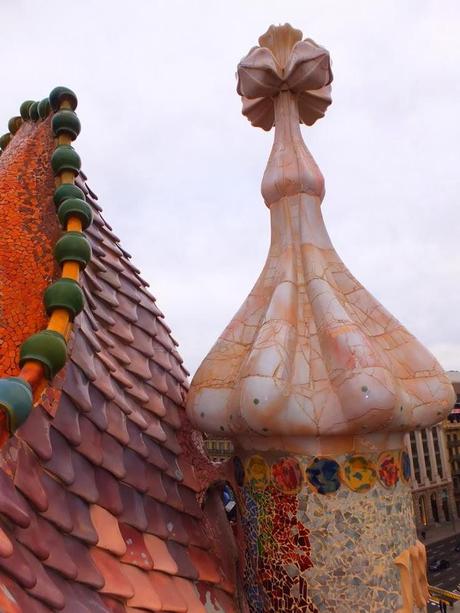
x=316, y=383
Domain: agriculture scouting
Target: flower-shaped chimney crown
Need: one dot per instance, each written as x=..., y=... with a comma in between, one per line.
x=284, y=62
x=311, y=357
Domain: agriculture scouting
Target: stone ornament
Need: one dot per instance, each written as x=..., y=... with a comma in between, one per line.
x=284, y=62
x=312, y=363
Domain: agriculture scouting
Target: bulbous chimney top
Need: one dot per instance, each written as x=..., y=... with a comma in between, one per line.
x=311, y=355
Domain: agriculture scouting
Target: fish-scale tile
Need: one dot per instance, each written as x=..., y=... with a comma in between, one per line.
x=121, y=328
x=162, y=559
x=88, y=329
x=129, y=284
x=28, y=477
x=91, y=279
x=101, y=311
x=109, y=491
x=117, y=351
x=107, y=293
x=155, y=487
x=162, y=356
x=133, y=508
x=171, y=600
x=116, y=425
x=112, y=456
x=157, y=517
x=84, y=484
x=91, y=599
x=172, y=493
x=87, y=572
x=33, y=537
x=97, y=264
x=108, y=275
x=136, y=550
x=108, y=530
x=188, y=473
x=76, y=386
x=66, y=422
x=142, y=342
x=58, y=508
x=115, y=582
x=115, y=606
x=73, y=601
x=190, y=594
x=108, y=362
x=136, y=440
x=13, y=599
x=17, y=567
x=155, y=456
x=137, y=415
x=155, y=403
x=44, y=589
x=158, y=378
x=60, y=465
x=99, y=408
x=190, y=502
x=135, y=470
x=139, y=363
x=174, y=391
x=138, y=389
x=171, y=441
x=83, y=528
x=154, y=428
x=195, y=531
x=82, y=356
x=145, y=595
x=176, y=526
x=172, y=416
x=205, y=563
x=6, y=547
x=126, y=307
x=223, y=601
x=35, y=432
x=103, y=381
x=181, y=556
x=117, y=373
x=90, y=446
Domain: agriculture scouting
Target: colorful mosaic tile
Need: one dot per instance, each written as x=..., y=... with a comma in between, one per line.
x=257, y=473
x=388, y=468
x=405, y=467
x=323, y=474
x=358, y=473
x=287, y=476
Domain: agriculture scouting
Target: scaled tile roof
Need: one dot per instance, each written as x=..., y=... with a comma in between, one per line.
x=98, y=495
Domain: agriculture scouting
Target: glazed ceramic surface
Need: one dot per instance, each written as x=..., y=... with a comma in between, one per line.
x=310, y=353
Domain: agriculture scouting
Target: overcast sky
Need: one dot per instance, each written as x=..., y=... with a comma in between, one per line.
x=177, y=167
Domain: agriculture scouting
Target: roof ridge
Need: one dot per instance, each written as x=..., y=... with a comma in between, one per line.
x=43, y=354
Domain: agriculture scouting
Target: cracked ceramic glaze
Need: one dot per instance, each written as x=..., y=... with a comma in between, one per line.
x=311, y=363
x=315, y=545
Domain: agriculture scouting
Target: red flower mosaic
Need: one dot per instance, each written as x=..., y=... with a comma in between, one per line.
x=388, y=469
x=287, y=476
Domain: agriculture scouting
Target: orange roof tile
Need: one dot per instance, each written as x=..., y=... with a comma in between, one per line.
x=115, y=582
x=145, y=595
x=171, y=599
x=190, y=594
x=162, y=559
x=108, y=530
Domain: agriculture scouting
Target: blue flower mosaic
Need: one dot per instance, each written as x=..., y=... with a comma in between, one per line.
x=323, y=474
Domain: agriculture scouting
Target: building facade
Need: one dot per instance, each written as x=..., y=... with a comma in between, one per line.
x=431, y=481
x=435, y=467
x=452, y=434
